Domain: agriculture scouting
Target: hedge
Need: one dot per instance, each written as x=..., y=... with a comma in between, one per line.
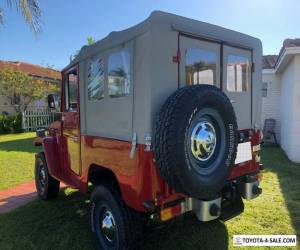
x=11, y=124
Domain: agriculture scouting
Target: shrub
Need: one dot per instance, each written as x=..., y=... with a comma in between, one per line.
x=5, y=124
x=11, y=124
x=16, y=123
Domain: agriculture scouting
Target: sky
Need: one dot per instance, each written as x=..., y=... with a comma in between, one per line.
x=67, y=24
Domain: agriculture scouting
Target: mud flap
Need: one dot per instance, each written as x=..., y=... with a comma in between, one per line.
x=231, y=208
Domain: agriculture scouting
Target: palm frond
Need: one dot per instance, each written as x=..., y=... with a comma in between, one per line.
x=30, y=10
x=1, y=16
x=32, y=13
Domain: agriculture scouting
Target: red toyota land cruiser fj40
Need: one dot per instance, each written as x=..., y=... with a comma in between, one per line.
x=161, y=118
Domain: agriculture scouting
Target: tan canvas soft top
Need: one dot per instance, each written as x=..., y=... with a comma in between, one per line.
x=178, y=23
x=153, y=44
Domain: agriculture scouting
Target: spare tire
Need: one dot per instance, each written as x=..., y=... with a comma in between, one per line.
x=195, y=140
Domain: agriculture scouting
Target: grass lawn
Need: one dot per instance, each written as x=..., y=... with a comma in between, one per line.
x=63, y=223
x=16, y=159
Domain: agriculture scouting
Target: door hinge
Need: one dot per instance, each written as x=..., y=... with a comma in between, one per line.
x=253, y=67
x=133, y=146
x=176, y=59
x=148, y=140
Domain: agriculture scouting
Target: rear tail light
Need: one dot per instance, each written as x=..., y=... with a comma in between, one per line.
x=261, y=136
x=171, y=212
x=256, y=148
x=257, y=158
x=260, y=177
x=256, y=152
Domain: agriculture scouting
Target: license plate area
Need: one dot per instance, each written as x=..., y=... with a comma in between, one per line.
x=244, y=153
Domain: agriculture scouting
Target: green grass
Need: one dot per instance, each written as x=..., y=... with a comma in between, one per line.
x=16, y=159
x=63, y=223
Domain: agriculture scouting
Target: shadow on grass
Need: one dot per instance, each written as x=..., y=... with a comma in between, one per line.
x=187, y=233
x=20, y=145
x=14, y=201
x=288, y=174
x=64, y=224
x=58, y=224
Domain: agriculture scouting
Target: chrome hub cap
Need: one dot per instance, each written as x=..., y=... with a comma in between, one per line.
x=108, y=226
x=203, y=140
x=42, y=177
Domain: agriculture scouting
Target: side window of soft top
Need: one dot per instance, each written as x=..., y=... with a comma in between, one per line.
x=96, y=79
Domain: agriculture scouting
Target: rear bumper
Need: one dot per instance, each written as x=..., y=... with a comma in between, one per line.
x=228, y=205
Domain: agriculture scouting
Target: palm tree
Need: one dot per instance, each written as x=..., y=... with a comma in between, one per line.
x=30, y=10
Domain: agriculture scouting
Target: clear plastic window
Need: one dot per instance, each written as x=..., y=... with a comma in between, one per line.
x=200, y=66
x=96, y=79
x=119, y=73
x=238, y=73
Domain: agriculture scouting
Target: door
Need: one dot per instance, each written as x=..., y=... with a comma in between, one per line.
x=200, y=62
x=237, y=83
x=71, y=121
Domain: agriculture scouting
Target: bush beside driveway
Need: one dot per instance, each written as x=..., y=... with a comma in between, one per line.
x=63, y=223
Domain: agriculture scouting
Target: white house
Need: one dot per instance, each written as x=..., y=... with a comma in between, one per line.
x=281, y=95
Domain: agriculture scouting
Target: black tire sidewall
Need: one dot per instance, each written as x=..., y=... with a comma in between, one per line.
x=51, y=188
x=104, y=197
x=40, y=161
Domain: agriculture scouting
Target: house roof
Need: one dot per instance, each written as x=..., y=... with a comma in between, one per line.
x=289, y=43
x=31, y=69
x=290, y=47
x=269, y=61
x=278, y=62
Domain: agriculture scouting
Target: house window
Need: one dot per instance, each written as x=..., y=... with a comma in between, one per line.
x=71, y=90
x=96, y=79
x=119, y=73
x=264, y=89
x=238, y=73
x=200, y=66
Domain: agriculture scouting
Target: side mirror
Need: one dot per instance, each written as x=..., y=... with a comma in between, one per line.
x=51, y=101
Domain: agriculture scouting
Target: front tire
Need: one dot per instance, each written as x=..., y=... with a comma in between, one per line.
x=114, y=225
x=46, y=186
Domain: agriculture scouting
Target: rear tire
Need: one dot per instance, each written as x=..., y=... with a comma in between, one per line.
x=195, y=140
x=115, y=226
x=47, y=187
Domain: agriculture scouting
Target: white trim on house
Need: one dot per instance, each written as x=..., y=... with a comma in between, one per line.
x=285, y=58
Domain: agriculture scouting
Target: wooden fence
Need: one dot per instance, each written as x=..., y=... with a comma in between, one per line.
x=36, y=119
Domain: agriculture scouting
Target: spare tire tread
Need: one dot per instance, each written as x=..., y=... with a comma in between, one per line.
x=164, y=122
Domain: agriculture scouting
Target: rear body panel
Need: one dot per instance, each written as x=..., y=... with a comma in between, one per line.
x=138, y=178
